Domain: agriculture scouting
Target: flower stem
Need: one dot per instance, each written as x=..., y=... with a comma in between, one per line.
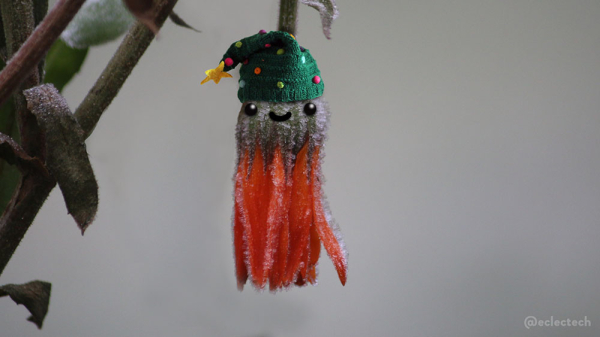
x=288, y=16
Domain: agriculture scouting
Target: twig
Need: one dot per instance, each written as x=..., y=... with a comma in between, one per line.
x=34, y=189
x=36, y=46
x=118, y=69
x=288, y=16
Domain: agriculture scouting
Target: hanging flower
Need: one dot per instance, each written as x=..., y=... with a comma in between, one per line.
x=280, y=215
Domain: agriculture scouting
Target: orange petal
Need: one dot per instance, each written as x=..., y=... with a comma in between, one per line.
x=276, y=277
x=315, y=252
x=300, y=216
x=330, y=242
x=276, y=211
x=240, y=214
x=255, y=227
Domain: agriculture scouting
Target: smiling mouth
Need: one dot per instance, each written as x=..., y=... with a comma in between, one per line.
x=275, y=117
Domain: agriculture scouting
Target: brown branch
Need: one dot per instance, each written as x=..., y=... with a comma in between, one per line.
x=36, y=46
x=288, y=16
x=118, y=69
x=19, y=22
x=33, y=189
x=14, y=154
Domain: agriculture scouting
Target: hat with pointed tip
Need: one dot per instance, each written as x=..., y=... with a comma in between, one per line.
x=274, y=68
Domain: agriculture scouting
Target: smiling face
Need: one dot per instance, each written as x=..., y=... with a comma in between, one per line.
x=287, y=124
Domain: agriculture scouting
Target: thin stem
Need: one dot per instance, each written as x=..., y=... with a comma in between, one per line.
x=17, y=17
x=36, y=46
x=117, y=70
x=288, y=16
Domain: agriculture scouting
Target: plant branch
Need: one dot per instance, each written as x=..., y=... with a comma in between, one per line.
x=113, y=77
x=33, y=189
x=36, y=46
x=14, y=154
x=288, y=16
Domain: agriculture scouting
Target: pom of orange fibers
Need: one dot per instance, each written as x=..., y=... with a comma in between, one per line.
x=280, y=217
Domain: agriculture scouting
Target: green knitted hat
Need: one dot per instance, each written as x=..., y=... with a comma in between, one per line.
x=274, y=69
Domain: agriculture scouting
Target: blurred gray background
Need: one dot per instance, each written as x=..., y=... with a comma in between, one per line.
x=463, y=166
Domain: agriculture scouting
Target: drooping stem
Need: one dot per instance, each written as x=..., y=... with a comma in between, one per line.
x=118, y=69
x=288, y=16
x=36, y=46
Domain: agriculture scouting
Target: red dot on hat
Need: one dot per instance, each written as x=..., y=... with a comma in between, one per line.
x=262, y=31
x=316, y=80
x=246, y=61
x=267, y=45
x=228, y=61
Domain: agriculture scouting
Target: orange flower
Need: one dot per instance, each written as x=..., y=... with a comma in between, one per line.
x=280, y=222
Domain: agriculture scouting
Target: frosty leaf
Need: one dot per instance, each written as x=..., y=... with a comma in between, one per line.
x=179, y=21
x=62, y=63
x=144, y=12
x=34, y=295
x=328, y=11
x=67, y=158
x=97, y=22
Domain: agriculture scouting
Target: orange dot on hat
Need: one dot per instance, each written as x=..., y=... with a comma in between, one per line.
x=257, y=70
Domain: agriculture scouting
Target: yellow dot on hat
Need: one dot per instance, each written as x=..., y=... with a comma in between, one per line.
x=280, y=52
x=238, y=44
x=280, y=85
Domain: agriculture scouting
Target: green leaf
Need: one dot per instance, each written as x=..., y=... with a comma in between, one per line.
x=97, y=22
x=62, y=63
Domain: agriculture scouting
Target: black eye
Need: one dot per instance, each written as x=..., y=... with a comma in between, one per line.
x=250, y=109
x=310, y=109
